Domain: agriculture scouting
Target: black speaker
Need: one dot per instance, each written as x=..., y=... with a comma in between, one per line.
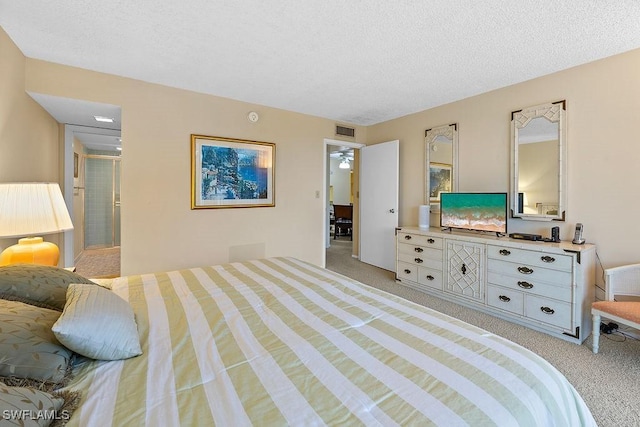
x=555, y=234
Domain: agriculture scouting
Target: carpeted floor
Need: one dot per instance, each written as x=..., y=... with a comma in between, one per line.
x=99, y=263
x=609, y=381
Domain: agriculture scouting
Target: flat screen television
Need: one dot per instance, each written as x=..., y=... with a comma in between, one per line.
x=474, y=211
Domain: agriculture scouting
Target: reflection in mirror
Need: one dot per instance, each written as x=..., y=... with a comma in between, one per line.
x=441, y=152
x=539, y=161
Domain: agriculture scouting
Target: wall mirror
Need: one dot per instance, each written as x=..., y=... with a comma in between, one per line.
x=538, y=165
x=441, y=154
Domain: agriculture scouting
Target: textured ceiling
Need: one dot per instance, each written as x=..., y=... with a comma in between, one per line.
x=360, y=62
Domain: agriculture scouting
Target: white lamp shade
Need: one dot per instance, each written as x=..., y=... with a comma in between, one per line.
x=27, y=209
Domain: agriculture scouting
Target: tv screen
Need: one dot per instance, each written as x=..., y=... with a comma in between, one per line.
x=474, y=211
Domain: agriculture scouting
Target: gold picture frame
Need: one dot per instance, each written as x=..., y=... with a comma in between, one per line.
x=231, y=173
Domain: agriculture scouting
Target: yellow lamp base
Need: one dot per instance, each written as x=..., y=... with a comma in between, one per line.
x=31, y=250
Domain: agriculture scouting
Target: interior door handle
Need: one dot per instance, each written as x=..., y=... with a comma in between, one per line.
x=392, y=210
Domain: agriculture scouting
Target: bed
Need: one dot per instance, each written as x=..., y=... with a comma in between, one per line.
x=279, y=341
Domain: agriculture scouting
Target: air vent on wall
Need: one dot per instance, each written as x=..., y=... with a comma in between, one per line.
x=345, y=131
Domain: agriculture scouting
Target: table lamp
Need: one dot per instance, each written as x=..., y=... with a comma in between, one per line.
x=29, y=209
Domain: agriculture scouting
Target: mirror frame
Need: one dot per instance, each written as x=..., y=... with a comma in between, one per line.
x=451, y=132
x=555, y=112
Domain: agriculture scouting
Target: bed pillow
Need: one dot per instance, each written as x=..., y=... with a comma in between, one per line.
x=24, y=406
x=97, y=323
x=28, y=347
x=40, y=285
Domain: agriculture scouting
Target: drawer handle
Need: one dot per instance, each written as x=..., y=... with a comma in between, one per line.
x=505, y=252
x=547, y=310
x=407, y=237
x=431, y=241
x=418, y=260
x=430, y=277
x=504, y=298
x=548, y=258
x=525, y=285
x=407, y=271
x=525, y=270
x=418, y=250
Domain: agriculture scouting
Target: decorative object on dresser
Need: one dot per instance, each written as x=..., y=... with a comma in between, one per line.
x=542, y=285
x=423, y=215
x=622, y=300
x=30, y=208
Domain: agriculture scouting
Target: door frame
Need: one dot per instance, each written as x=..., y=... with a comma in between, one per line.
x=68, y=192
x=325, y=189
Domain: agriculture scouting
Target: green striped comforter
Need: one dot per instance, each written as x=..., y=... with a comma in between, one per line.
x=281, y=342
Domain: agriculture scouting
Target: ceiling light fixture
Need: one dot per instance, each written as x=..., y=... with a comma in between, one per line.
x=344, y=164
x=103, y=119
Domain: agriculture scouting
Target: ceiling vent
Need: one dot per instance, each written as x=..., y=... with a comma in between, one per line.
x=345, y=131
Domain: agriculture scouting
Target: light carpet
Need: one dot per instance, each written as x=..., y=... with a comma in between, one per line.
x=609, y=382
x=99, y=263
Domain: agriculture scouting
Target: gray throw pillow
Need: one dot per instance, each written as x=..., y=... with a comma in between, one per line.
x=39, y=285
x=28, y=347
x=24, y=406
x=97, y=323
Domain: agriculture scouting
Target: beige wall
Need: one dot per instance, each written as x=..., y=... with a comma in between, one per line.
x=603, y=107
x=29, y=149
x=159, y=230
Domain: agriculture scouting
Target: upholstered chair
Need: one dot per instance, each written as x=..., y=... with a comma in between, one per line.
x=622, y=286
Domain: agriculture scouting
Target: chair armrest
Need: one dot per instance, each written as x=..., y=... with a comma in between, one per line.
x=623, y=280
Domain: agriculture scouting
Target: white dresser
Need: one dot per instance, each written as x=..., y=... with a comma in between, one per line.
x=545, y=286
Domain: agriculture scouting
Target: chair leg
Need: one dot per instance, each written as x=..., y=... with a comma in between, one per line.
x=596, y=333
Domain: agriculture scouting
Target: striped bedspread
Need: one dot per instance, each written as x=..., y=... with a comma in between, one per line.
x=279, y=342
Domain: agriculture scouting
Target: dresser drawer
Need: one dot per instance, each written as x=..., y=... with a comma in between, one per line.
x=419, y=239
x=429, y=277
x=530, y=273
x=505, y=299
x=420, y=251
x=530, y=286
x=407, y=271
x=417, y=260
x=548, y=311
x=531, y=257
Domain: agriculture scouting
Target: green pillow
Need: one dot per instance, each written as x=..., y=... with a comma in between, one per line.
x=28, y=347
x=97, y=323
x=23, y=406
x=39, y=285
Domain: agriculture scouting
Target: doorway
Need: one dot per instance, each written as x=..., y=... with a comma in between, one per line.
x=341, y=197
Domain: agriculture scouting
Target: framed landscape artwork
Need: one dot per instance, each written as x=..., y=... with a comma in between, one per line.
x=231, y=173
x=439, y=180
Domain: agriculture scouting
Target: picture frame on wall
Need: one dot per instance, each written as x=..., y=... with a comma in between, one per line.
x=231, y=173
x=439, y=180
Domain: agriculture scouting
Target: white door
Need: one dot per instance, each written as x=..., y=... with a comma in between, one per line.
x=379, y=186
